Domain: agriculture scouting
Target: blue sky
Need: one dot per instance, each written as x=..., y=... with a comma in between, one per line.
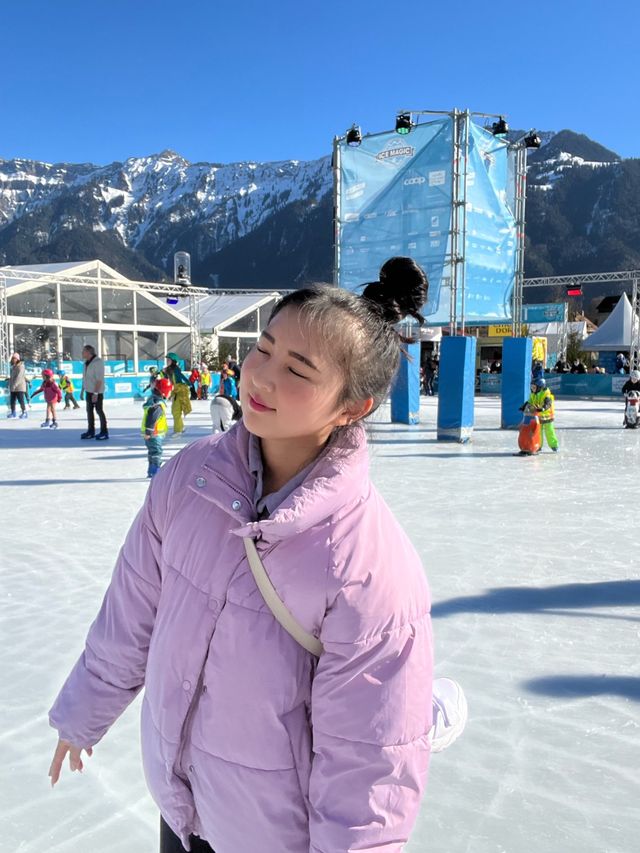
x=219, y=81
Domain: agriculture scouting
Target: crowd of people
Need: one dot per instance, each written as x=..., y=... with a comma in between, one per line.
x=167, y=384
x=171, y=383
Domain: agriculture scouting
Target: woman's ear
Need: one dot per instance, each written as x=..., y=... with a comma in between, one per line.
x=355, y=412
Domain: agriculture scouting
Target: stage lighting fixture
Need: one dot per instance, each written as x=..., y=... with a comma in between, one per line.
x=574, y=290
x=532, y=140
x=500, y=127
x=403, y=123
x=354, y=136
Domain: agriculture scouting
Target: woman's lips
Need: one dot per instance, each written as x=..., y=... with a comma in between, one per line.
x=258, y=406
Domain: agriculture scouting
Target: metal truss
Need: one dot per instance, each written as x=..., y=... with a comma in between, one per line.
x=4, y=328
x=596, y=278
x=586, y=278
x=154, y=288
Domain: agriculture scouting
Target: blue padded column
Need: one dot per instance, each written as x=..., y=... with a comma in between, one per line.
x=516, y=379
x=405, y=393
x=456, y=388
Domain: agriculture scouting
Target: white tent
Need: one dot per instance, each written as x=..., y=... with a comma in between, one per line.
x=615, y=333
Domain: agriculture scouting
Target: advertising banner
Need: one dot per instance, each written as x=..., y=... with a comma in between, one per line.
x=395, y=197
x=546, y=312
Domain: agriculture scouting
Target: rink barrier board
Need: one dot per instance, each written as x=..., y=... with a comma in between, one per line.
x=405, y=392
x=569, y=385
x=515, y=380
x=117, y=387
x=456, y=389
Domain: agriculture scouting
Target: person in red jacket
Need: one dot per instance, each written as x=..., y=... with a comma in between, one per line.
x=194, y=379
x=52, y=396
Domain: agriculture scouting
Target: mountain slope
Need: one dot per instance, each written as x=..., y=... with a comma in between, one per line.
x=270, y=224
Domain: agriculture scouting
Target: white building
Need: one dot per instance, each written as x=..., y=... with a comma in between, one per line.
x=50, y=316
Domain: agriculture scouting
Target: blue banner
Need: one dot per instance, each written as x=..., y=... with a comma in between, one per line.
x=395, y=199
x=490, y=246
x=546, y=312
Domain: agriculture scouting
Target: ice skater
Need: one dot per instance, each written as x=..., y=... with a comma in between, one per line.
x=52, y=396
x=154, y=422
x=632, y=384
x=18, y=389
x=229, y=751
x=540, y=404
x=228, y=387
x=224, y=412
x=67, y=388
x=205, y=381
x=93, y=388
x=180, y=396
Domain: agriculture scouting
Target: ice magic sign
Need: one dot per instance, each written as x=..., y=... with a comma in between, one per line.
x=395, y=198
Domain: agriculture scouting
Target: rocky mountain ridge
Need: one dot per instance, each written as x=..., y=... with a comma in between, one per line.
x=270, y=224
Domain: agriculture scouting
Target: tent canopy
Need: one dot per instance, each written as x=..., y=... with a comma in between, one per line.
x=615, y=332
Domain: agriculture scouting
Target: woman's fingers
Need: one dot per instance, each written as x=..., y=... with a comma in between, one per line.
x=58, y=758
x=75, y=759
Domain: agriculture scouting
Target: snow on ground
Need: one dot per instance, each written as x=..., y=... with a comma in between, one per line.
x=532, y=564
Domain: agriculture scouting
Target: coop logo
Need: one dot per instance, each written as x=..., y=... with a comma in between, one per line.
x=394, y=151
x=418, y=179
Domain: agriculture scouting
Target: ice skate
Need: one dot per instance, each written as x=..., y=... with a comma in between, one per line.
x=24, y=416
x=45, y=424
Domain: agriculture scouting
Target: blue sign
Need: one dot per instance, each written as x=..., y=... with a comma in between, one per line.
x=546, y=312
x=489, y=248
x=395, y=199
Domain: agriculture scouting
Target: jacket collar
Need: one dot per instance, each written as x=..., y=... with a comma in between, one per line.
x=338, y=478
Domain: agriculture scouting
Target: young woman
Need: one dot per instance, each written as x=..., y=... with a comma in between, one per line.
x=250, y=743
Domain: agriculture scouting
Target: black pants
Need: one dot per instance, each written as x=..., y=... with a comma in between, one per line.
x=170, y=843
x=97, y=406
x=17, y=397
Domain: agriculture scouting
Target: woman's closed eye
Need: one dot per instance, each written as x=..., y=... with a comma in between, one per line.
x=300, y=375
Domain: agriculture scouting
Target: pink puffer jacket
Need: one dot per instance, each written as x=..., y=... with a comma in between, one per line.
x=247, y=741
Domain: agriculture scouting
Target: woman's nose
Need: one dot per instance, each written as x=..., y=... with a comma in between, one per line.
x=262, y=377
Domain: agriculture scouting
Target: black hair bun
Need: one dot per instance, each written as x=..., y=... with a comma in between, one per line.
x=401, y=291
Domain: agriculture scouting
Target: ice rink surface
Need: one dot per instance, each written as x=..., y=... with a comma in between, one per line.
x=533, y=568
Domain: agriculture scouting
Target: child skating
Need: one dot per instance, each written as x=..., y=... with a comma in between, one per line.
x=67, y=388
x=154, y=422
x=52, y=396
x=540, y=405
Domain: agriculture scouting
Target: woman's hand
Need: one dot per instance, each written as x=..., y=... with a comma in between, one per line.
x=75, y=760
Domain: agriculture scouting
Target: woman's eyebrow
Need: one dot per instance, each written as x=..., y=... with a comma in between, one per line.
x=293, y=354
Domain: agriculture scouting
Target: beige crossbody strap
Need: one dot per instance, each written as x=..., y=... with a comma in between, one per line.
x=307, y=641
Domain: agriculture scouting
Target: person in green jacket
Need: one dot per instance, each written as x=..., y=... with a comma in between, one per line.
x=540, y=403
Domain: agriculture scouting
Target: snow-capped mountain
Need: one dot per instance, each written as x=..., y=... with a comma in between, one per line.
x=154, y=205
x=270, y=224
